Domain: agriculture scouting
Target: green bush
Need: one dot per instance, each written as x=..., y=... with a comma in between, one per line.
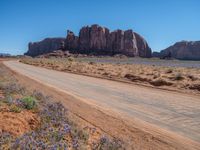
x=29, y=102
x=70, y=59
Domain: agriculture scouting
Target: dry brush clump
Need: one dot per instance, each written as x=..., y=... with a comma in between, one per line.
x=178, y=76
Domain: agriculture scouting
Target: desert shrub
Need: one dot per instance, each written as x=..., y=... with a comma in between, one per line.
x=160, y=82
x=79, y=134
x=38, y=95
x=195, y=87
x=191, y=77
x=9, y=100
x=70, y=59
x=5, y=140
x=156, y=76
x=105, y=143
x=29, y=102
x=178, y=76
x=129, y=76
x=11, y=88
x=15, y=109
x=105, y=74
x=136, y=78
x=169, y=70
x=91, y=63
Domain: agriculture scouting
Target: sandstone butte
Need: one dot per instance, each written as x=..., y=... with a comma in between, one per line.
x=95, y=40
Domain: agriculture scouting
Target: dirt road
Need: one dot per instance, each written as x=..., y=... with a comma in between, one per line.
x=175, y=112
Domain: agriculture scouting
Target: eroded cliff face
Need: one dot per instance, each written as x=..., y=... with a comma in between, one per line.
x=45, y=46
x=98, y=37
x=187, y=50
x=71, y=41
x=130, y=44
x=98, y=40
x=143, y=48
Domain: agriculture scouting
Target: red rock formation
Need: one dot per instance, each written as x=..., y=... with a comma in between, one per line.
x=130, y=43
x=189, y=50
x=84, y=39
x=98, y=40
x=98, y=37
x=142, y=46
x=45, y=46
x=72, y=41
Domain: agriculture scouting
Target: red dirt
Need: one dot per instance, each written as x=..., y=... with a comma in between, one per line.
x=17, y=123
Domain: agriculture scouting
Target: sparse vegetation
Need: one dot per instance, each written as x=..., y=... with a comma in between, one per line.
x=160, y=82
x=124, y=70
x=170, y=70
x=47, y=128
x=192, y=77
x=195, y=87
x=70, y=59
x=15, y=109
x=29, y=102
x=12, y=88
x=105, y=144
x=178, y=76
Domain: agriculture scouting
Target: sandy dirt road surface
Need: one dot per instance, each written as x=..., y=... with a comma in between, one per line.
x=151, y=118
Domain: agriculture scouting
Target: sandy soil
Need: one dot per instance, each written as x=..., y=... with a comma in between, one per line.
x=171, y=78
x=17, y=123
x=135, y=133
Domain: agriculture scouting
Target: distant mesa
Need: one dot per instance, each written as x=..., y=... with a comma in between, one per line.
x=95, y=40
x=4, y=55
x=185, y=50
x=45, y=46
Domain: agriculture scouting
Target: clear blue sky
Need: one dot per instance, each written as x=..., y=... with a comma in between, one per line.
x=161, y=22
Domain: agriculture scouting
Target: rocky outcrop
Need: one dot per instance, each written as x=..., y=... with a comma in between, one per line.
x=143, y=48
x=71, y=41
x=130, y=44
x=98, y=37
x=45, y=46
x=123, y=42
x=116, y=41
x=186, y=50
x=84, y=39
x=99, y=40
x=93, y=39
